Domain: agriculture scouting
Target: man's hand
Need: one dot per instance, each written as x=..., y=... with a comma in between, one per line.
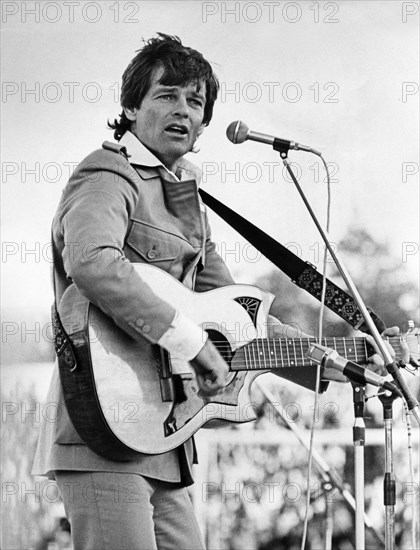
x=211, y=370
x=376, y=361
x=276, y=329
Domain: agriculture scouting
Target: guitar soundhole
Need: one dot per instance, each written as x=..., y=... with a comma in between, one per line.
x=222, y=344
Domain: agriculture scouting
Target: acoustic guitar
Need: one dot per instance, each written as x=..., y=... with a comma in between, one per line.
x=127, y=397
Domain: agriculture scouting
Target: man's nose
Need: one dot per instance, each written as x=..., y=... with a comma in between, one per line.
x=181, y=107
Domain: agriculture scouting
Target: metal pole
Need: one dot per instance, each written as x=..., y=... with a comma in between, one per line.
x=389, y=479
x=359, y=394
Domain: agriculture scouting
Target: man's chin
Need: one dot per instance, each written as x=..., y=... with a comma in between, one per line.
x=178, y=150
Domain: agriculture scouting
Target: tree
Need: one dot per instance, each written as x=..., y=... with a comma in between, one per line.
x=380, y=278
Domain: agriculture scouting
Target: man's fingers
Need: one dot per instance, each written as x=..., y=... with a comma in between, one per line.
x=377, y=364
x=391, y=331
x=372, y=342
x=404, y=350
x=210, y=369
x=377, y=360
x=208, y=386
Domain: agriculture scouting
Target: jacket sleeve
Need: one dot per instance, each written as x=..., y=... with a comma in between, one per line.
x=92, y=223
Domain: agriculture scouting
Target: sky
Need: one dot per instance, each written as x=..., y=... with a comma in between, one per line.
x=341, y=77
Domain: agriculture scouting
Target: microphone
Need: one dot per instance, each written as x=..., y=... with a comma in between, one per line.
x=329, y=358
x=238, y=132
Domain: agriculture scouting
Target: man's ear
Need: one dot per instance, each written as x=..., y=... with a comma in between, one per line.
x=200, y=130
x=130, y=113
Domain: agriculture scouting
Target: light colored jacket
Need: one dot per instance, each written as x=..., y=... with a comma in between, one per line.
x=113, y=213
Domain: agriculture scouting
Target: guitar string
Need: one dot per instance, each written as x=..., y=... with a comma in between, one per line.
x=359, y=350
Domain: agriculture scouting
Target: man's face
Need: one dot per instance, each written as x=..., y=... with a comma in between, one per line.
x=169, y=120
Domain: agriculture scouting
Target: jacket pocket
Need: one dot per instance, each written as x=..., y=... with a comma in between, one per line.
x=150, y=244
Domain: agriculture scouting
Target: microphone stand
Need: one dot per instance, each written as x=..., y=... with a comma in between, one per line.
x=390, y=364
x=328, y=522
x=389, y=479
x=330, y=479
x=359, y=398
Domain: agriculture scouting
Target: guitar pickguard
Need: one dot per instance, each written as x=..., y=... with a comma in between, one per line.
x=188, y=404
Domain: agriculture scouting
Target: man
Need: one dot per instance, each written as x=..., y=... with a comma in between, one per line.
x=137, y=201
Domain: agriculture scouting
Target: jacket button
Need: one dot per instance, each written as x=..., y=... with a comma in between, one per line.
x=139, y=322
x=146, y=328
x=151, y=254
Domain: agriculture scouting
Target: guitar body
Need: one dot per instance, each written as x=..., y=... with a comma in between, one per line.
x=127, y=397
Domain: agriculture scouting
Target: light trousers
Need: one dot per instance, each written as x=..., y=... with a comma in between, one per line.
x=117, y=511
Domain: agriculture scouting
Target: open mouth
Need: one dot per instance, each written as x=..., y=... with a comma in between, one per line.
x=177, y=129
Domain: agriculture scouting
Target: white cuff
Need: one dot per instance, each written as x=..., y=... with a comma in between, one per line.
x=183, y=339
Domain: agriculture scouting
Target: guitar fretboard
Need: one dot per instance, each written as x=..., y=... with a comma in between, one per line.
x=275, y=353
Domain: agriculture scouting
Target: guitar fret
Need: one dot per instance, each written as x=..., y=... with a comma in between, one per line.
x=287, y=349
x=264, y=354
x=355, y=349
x=270, y=353
x=303, y=355
x=258, y=353
x=266, y=351
x=341, y=345
x=258, y=364
x=275, y=352
x=281, y=352
x=294, y=352
x=253, y=353
x=345, y=348
x=246, y=352
x=309, y=346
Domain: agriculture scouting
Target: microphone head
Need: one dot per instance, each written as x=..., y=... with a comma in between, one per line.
x=237, y=132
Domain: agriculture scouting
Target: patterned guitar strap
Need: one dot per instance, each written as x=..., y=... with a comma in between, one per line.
x=302, y=274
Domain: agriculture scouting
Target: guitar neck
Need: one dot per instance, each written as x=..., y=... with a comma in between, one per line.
x=276, y=353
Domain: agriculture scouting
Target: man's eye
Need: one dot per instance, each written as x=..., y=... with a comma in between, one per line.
x=166, y=96
x=196, y=102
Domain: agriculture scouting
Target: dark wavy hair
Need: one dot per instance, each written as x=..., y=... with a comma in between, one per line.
x=181, y=66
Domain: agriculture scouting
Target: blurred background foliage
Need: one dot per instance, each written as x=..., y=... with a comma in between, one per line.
x=258, y=502
x=379, y=277
x=31, y=511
